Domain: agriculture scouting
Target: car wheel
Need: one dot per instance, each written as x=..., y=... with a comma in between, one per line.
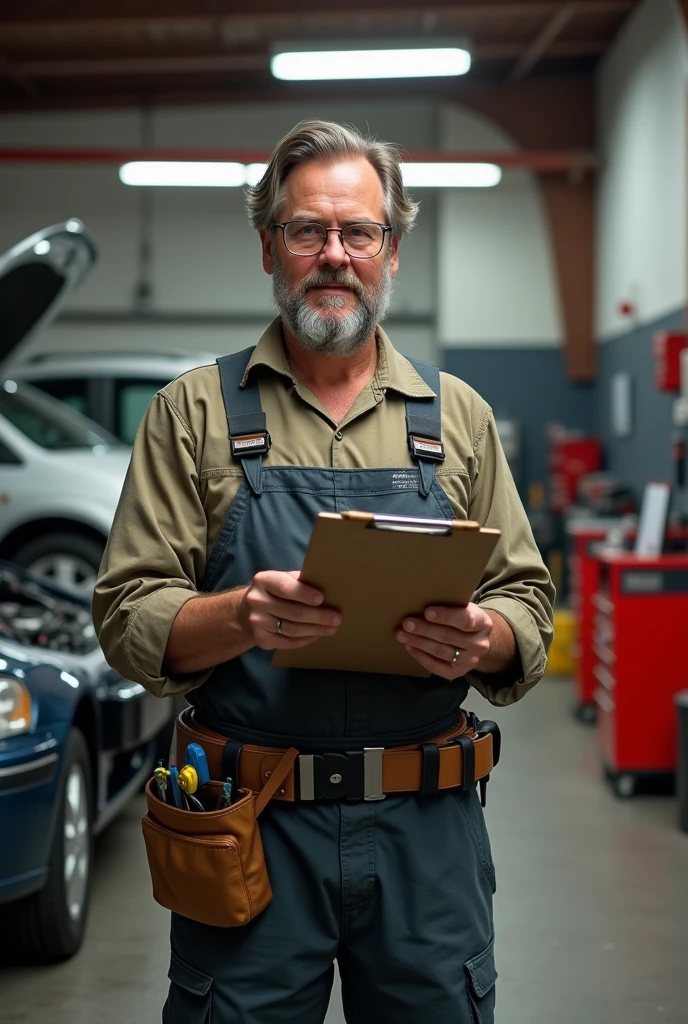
x=69, y=560
x=51, y=923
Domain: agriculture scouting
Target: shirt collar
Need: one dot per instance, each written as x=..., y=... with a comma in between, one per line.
x=393, y=370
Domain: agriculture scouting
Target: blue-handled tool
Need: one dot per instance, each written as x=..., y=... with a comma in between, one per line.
x=196, y=757
x=174, y=786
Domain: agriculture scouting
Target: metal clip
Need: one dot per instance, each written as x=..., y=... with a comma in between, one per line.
x=306, y=777
x=372, y=773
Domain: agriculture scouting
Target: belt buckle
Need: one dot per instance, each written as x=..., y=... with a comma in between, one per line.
x=333, y=776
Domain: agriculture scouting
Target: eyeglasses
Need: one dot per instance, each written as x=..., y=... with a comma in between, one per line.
x=306, y=238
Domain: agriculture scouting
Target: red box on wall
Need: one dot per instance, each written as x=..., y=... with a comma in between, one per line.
x=570, y=459
x=666, y=348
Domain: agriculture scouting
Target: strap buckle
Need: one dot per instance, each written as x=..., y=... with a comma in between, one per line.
x=426, y=448
x=250, y=444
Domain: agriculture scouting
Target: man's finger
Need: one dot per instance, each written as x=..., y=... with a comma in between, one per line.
x=284, y=585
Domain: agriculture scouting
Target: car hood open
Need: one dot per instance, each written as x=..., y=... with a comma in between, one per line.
x=37, y=276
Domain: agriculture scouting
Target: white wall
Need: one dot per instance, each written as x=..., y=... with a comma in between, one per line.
x=206, y=258
x=496, y=276
x=641, y=226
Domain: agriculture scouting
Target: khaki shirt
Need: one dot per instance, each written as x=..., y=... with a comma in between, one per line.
x=182, y=481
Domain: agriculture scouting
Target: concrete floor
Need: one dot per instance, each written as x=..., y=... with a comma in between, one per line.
x=591, y=908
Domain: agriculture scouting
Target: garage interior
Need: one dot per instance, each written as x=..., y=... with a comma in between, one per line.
x=559, y=294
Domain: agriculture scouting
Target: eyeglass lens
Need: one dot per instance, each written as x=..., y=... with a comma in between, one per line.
x=358, y=239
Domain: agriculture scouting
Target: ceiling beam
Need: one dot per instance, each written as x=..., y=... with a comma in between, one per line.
x=543, y=41
x=21, y=80
x=23, y=16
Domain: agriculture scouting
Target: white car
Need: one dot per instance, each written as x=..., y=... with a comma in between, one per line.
x=113, y=389
x=60, y=473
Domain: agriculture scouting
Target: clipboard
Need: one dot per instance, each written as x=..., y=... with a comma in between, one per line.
x=376, y=570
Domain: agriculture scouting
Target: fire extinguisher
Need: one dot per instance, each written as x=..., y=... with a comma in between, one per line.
x=678, y=457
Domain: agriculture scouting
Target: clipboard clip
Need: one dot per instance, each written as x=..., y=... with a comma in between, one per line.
x=411, y=524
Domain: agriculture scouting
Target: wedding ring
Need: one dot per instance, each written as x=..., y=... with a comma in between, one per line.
x=457, y=653
x=279, y=626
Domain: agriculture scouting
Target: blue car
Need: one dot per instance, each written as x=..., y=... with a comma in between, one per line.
x=76, y=742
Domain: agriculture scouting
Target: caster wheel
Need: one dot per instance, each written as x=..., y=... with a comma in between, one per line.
x=624, y=786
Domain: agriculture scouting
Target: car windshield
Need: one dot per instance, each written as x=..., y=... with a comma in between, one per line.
x=48, y=422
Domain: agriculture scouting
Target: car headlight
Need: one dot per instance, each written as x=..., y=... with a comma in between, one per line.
x=15, y=707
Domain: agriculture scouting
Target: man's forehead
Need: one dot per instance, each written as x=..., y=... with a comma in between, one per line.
x=334, y=181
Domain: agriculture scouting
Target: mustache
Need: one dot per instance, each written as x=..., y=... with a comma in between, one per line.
x=341, y=279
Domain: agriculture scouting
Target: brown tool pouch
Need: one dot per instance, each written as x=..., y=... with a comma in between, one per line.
x=209, y=866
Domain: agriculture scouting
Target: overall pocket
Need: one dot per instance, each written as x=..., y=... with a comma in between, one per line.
x=481, y=976
x=207, y=866
x=190, y=997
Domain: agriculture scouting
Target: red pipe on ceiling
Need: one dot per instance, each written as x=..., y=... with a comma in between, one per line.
x=542, y=161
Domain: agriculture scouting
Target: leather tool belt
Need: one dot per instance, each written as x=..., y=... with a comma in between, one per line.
x=457, y=759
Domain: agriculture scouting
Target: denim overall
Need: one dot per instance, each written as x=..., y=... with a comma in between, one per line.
x=399, y=890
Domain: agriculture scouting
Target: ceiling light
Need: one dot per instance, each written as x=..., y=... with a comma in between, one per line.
x=254, y=172
x=42, y=248
x=294, y=62
x=448, y=175
x=234, y=175
x=183, y=172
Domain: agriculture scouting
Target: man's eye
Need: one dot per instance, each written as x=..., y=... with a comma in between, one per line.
x=359, y=231
x=307, y=229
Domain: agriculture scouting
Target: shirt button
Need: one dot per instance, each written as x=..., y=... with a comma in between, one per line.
x=339, y=435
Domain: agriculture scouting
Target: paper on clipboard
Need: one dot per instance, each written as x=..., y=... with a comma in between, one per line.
x=378, y=569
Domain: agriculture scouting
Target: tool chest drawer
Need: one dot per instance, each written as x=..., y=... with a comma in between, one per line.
x=640, y=613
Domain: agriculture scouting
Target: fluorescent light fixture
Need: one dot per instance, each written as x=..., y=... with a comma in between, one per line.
x=183, y=172
x=447, y=175
x=307, y=64
x=234, y=175
x=254, y=172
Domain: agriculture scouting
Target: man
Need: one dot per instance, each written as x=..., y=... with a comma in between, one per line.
x=200, y=584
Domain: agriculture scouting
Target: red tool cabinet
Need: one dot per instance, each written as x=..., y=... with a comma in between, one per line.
x=641, y=660
x=584, y=575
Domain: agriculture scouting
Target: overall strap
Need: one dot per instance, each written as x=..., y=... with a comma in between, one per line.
x=423, y=426
x=248, y=435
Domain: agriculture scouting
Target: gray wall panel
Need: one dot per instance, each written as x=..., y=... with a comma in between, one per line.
x=530, y=386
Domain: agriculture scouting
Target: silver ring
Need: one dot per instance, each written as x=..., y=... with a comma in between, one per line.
x=457, y=654
x=279, y=626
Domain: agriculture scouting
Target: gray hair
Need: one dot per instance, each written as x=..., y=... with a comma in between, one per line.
x=327, y=140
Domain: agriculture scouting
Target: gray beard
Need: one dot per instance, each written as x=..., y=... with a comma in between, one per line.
x=331, y=335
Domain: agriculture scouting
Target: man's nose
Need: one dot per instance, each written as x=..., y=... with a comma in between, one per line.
x=334, y=253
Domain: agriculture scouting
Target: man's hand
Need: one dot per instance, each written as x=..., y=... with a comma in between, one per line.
x=435, y=640
x=281, y=612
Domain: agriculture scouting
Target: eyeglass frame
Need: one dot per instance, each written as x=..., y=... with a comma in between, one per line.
x=371, y=223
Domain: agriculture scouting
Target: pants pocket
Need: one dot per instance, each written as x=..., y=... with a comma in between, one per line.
x=190, y=996
x=481, y=976
x=475, y=822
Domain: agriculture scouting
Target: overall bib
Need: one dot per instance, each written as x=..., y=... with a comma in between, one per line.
x=398, y=891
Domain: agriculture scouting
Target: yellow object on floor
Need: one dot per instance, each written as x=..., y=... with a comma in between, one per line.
x=561, y=661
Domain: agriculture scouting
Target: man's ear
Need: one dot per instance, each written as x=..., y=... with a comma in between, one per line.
x=267, y=240
x=394, y=256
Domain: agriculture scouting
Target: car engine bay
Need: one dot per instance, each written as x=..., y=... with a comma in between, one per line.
x=32, y=614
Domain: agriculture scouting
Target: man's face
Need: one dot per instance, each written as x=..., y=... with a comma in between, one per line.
x=331, y=301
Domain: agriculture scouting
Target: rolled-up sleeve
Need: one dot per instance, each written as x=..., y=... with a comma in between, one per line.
x=156, y=552
x=516, y=583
